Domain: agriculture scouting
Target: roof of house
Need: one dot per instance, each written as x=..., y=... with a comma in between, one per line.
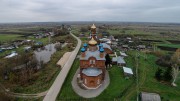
x=125, y=46
x=120, y=60
x=109, y=42
x=141, y=46
x=123, y=54
x=92, y=71
x=106, y=46
x=127, y=70
x=150, y=96
x=63, y=59
x=95, y=54
x=114, y=59
x=11, y=55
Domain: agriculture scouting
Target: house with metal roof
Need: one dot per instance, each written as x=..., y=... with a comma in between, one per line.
x=150, y=96
x=120, y=61
x=127, y=71
x=107, y=48
x=123, y=54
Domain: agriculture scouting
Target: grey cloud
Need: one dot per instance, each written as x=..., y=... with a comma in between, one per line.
x=89, y=10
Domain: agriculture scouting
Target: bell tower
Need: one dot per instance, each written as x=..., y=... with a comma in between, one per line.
x=93, y=32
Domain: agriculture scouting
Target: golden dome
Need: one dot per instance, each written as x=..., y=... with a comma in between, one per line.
x=93, y=26
x=92, y=41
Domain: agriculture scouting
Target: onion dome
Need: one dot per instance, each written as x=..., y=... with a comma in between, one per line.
x=83, y=49
x=100, y=45
x=101, y=50
x=92, y=41
x=85, y=44
x=93, y=26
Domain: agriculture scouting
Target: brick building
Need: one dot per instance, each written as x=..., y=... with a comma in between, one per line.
x=92, y=62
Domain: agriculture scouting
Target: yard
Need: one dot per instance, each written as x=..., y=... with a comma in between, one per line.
x=125, y=89
x=116, y=89
x=147, y=81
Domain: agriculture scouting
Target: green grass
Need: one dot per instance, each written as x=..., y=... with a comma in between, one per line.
x=170, y=45
x=148, y=83
x=9, y=37
x=67, y=91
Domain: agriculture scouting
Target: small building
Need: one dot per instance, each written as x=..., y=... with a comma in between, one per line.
x=120, y=61
x=27, y=48
x=104, y=40
x=114, y=60
x=141, y=47
x=1, y=50
x=128, y=38
x=82, y=35
x=125, y=46
x=111, y=37
x=109, y=42
x=63, y=60
x=123, y=54
x=127, y=71
x=150, y=96
x=13, y=53
x=107, y=48
x=28, y=41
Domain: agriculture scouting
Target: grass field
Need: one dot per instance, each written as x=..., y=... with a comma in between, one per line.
x=170, y=45
x=9, y=37
x=148, y=83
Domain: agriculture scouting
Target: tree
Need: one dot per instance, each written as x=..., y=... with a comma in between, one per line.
x=5, y=97
x=84, y=29
x=108, y=60
x=158, y=74
x=168, y=74
x=175, y=64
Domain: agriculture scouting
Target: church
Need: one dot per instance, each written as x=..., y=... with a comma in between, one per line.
x=92, y=62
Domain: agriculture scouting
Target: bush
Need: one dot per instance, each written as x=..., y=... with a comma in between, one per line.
x=164, y=74
x=164, y=61
x=159, y=74
x=158, y=53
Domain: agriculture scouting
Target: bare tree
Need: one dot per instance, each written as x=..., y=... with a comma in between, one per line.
x=175, y=61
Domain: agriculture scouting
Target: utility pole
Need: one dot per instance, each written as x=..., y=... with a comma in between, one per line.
x=137, y=65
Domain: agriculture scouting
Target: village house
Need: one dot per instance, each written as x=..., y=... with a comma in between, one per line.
x=150, y=96
x=127, y=72
x=120, y=61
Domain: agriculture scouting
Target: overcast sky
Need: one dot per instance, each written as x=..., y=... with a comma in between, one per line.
x=90, y=10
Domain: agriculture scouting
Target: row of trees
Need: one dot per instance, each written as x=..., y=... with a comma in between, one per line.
x=172, y=64
x=61, y=30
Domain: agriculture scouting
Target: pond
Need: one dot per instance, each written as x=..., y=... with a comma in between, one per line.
x=44, y=54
